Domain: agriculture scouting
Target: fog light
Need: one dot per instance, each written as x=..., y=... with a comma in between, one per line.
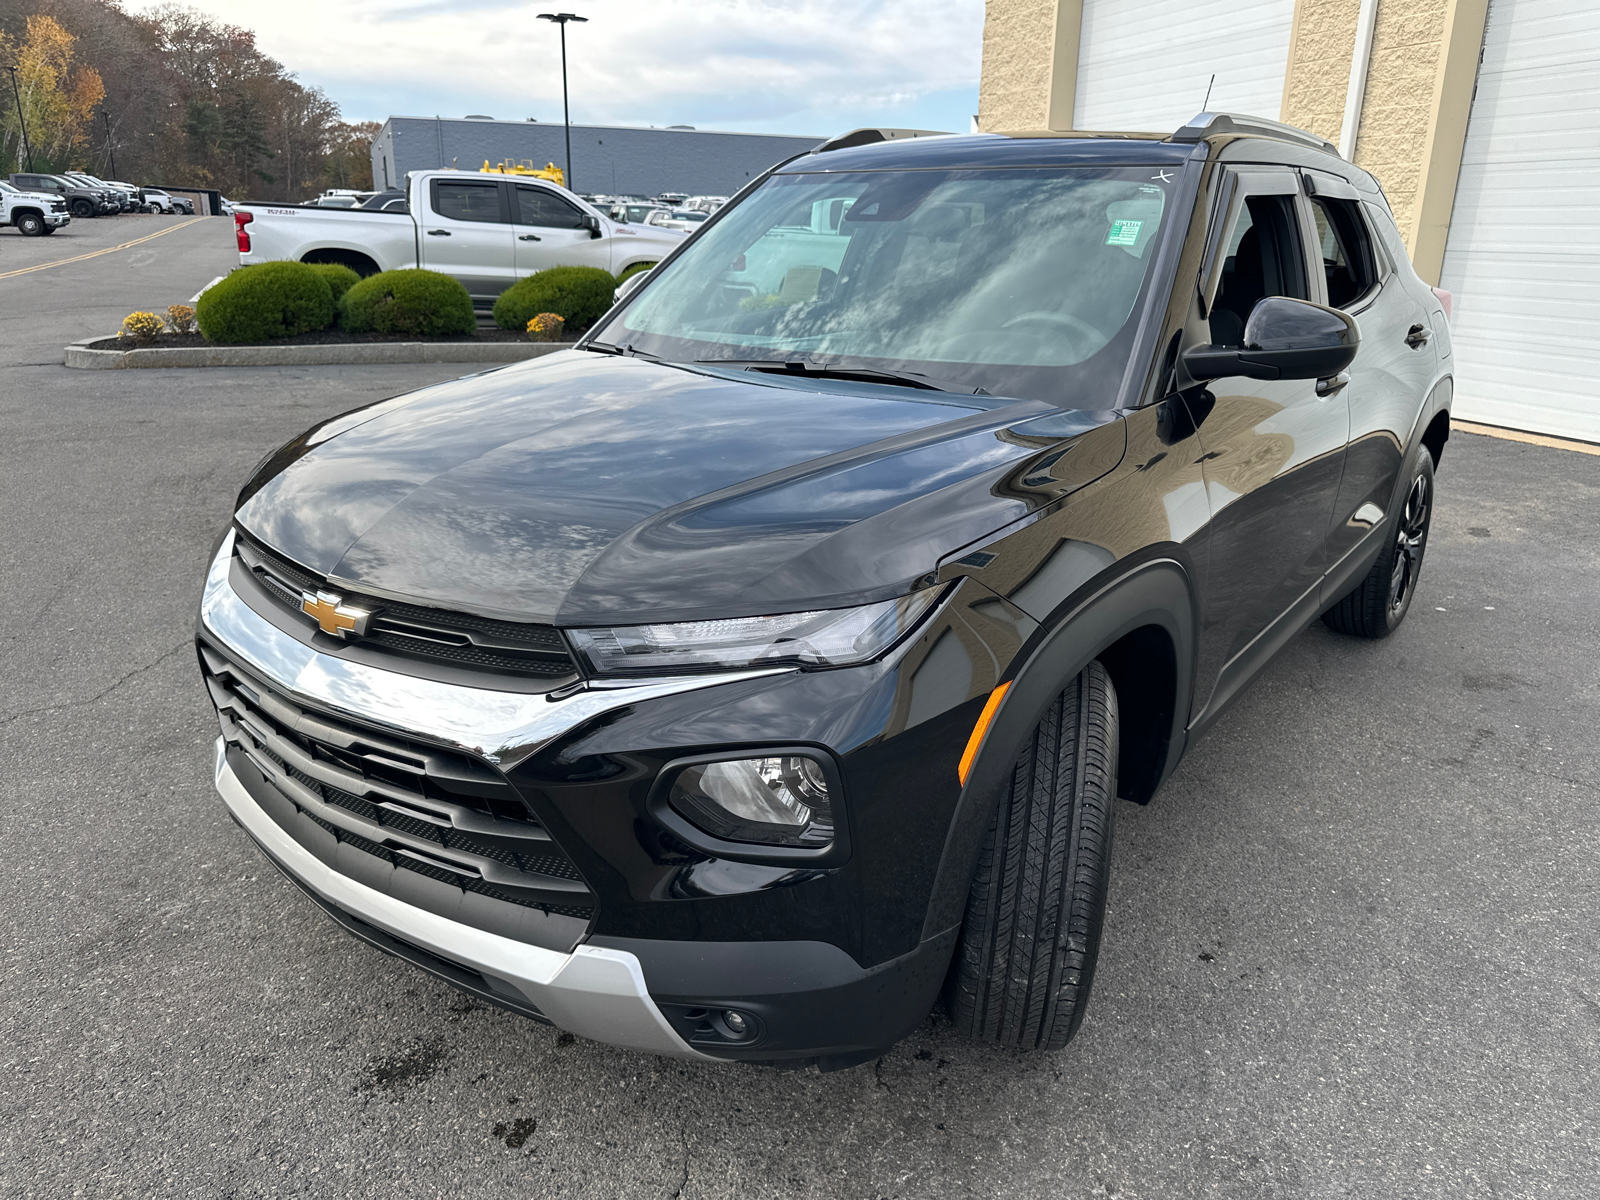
x=735, y=1021
x=777, y=801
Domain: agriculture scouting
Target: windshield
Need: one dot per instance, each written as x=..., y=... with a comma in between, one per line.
x=1021, y=282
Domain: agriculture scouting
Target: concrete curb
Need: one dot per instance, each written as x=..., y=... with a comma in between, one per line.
x=80, y=356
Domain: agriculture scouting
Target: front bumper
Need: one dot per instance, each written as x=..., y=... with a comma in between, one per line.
x=596, y=992
x=678, y=935
x=57, y=219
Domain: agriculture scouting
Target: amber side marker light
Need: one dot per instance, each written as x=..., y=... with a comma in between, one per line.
x=985, y=718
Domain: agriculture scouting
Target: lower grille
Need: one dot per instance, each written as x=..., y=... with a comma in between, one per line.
x=373, y=805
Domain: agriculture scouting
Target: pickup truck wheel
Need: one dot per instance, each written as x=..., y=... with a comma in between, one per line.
x=1022, y=972
x=83, y=210
x=1377, y=605
x=30, y=225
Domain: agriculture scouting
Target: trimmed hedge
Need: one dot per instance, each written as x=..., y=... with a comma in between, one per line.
x=413, y=302
x=579, y=294
x=264, y=301
x=340, y=277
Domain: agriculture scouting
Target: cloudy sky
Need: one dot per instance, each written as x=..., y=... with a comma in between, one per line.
x=781, y=66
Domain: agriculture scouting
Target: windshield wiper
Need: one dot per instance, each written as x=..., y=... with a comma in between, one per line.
x=796, y=366
x=609, y=348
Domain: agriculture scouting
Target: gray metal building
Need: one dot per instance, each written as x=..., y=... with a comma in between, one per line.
x=612, y=159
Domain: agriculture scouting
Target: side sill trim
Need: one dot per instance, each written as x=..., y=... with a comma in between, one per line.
x=594, y=992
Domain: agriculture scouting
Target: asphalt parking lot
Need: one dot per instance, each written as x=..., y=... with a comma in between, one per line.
x=1352, y=948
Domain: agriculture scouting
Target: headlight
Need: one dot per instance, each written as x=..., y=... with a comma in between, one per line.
x=782, y=800
x=832, y=637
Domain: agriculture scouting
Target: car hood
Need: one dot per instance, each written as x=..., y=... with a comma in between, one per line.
x=581, y=488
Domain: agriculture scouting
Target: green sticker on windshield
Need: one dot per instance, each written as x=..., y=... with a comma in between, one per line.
x=1124, y=233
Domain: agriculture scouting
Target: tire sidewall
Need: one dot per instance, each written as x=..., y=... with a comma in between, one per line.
x=1421, y=466
x=30, y=225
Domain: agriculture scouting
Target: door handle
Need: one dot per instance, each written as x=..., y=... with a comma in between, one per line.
x=528, y=237
x=438, y=233
x=1333, y=385
x=1417, y=336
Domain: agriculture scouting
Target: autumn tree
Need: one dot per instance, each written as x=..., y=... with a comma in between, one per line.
x=58, y=96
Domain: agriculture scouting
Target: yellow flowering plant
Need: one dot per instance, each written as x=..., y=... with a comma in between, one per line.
x=546, y=327
x=141, y=328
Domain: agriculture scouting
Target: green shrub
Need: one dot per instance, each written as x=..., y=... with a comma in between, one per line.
x=412, y=302
x=579, y=294
x=340, y=277
x=267, y=300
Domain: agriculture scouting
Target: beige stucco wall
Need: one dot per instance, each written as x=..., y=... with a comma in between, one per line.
x=1014, y=91
x=1320, y=46
x=1398, y=109
x=1030, y=64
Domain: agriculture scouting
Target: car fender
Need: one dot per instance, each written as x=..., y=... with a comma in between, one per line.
x=1156, y=591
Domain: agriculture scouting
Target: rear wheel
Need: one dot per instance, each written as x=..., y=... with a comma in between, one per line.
x=31, y=225
x=1022, y=973
x=1377, y=605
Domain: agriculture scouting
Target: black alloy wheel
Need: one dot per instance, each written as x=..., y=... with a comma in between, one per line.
x=30, y=225
x=1023, y=969
x=1377, y=605
x=83, y=209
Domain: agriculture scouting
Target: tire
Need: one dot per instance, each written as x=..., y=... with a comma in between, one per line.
x=1023, y=970
x=83, y=210
x=31, y=225
x=49, y=229
x=1377, y=605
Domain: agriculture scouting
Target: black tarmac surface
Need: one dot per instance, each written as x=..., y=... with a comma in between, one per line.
x=1353, y=948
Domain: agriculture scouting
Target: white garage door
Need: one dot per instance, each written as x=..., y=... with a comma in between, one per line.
x=1145, y=64
x=1523, y=255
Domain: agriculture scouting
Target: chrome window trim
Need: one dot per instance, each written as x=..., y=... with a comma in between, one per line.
x=502, y=727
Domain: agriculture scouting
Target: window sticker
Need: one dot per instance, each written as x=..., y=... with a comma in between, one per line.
x=1124, y=233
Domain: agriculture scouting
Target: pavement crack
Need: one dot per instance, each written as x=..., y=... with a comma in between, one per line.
x=98, y=696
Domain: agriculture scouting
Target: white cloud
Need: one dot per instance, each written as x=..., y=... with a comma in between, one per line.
x=798, y=66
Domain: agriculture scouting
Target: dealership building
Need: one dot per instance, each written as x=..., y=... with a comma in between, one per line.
x=614, y=159
x=1480, y=118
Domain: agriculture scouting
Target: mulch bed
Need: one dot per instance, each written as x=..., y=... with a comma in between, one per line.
x=324, y=337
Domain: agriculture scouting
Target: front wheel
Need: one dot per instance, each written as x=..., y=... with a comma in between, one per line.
x=31, y=225
x=1377, y=605
x=1022, y=972
x=83, y=209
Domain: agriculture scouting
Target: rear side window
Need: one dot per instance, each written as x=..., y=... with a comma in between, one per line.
x=535, y=206
x=1347, y=258
x=462, y=201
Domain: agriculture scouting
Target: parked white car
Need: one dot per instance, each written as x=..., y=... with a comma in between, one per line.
x=33, y=213
x=676, y=218
x=488, y=231
x=155, y=200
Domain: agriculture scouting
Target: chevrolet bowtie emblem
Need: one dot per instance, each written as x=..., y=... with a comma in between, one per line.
x=334, y=615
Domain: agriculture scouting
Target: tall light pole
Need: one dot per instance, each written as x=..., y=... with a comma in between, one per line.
x=561, y=19
x=110, y=149
x=22, y=122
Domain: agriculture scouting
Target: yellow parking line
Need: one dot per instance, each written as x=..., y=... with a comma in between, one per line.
x=61, y=262
x=1532, y=439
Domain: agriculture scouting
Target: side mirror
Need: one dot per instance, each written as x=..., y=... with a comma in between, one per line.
x=592, y=224
x=628, y=286
x=1283, y=339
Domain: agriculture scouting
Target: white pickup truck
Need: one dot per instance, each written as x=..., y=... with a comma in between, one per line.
x=486, y=230
x=33, y=213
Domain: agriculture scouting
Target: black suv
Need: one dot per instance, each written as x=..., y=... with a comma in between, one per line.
x=736, y=683
x=82, y=201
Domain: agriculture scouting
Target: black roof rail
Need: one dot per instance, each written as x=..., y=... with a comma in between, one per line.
x=866, y=137
x=1209, y=124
